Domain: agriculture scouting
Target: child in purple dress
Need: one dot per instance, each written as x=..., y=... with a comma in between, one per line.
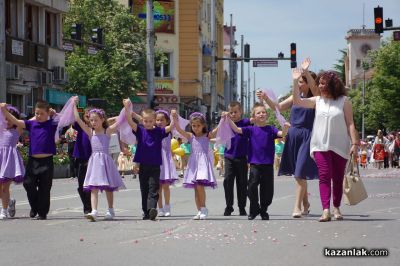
x=261, y=158
x=168, y=174
x=102, y=174
x=11, y=165
x=200, y=172
x=148, y=155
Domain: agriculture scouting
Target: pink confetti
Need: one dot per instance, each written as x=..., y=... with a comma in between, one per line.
x=81, y=239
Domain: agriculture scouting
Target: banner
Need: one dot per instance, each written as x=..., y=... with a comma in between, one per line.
x=164, y=14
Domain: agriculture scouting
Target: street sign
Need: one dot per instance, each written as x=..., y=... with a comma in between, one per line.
x=68, y=46
x=265, y=63
x=396, y=35
x=92, y=50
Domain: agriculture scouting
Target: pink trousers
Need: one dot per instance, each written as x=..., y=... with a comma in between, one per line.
x=331, y=170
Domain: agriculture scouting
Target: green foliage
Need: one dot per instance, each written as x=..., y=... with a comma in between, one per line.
x=339, y=66
x=382, y=97
x=118, y=69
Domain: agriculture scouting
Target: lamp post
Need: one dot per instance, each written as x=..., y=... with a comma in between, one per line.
x=365, y=66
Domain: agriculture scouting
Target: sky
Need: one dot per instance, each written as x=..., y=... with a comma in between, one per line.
x=318, y=27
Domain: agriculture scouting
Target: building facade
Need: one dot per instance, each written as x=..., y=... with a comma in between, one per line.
x=183, y=34
x=35, y=59
x=230, y=67
x=359, y=43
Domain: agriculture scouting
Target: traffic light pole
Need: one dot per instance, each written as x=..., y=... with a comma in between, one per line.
x=251, y=58
x=213, y=88
x=3, y=78
x=241, y=72
x=150, y=52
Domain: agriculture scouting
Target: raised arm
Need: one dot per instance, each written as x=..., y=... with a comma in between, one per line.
x=10, y=117
x=284, y=131
x=351, y=128
x=310, y=80
x=169, y=128
x=231, y=123
x=186, y=135
x=303, y=102
x=282, y=106
x=128, y=114
x=82, y=124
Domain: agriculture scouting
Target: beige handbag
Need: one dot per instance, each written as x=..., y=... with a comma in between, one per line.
x=353, y=188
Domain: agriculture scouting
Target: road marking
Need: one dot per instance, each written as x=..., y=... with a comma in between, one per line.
x=70, y=196
x=384, y=210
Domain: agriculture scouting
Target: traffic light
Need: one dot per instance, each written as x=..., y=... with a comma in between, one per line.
x=153, y=103
x=388, y=23
x=215, y=118
x=76, y=32
x=293, y=55
x=97, y=35
x=247, y=52
x=378, y=14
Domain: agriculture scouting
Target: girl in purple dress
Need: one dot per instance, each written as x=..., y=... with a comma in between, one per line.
x=168, y=174
x=102, y=173
x=11, y=165
x=200, y=173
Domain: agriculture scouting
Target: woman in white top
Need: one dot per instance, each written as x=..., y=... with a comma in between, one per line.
x=330, y=140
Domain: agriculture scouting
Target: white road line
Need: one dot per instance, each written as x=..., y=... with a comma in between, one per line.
x=71, y=196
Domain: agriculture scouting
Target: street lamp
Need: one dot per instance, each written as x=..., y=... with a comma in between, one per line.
x=365, y=66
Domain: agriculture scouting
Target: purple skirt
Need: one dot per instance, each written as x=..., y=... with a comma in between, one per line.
x=11, y=165
x=102, y=174
x=200, y=171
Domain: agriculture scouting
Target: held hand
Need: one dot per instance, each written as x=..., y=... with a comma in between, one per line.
x=306, y=64
x=3, y=105
x=174, y=114
x=224, y=114
x=52, y=112
x=75, y=99
x=260, y=95
x=296, y=73
x=354, y=152
x=126, y=103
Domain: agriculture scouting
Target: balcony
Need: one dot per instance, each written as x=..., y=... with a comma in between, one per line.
x=26, y=53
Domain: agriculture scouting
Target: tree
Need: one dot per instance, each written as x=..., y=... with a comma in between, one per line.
x=118, y=69
x=382, y=97
x=339, y=66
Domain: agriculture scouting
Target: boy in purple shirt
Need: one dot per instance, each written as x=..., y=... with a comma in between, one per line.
x=235, y=160
x=40, y=168
x=148, y=155
x=82, y=152
x=261, y=159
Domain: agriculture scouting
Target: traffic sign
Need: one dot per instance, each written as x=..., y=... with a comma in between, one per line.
x=265, y=63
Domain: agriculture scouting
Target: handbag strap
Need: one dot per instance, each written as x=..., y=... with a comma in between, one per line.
x=351, y=163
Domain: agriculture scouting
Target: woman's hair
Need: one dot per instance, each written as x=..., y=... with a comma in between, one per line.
x=101, y=114
x=304, y=77
x=334, y=84
x=196, y=116
x=165, y=114
x=257, y=104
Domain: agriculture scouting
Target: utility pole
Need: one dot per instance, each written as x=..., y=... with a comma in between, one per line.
x=231, y=49
x=150, y=52
x=242, y=73
x=248, y=88
x=213, y=61
x=254, y=88
x=3, y=78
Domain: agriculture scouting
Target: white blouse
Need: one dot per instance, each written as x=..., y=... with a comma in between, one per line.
x=330, y=130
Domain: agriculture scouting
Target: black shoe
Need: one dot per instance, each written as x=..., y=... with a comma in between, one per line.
x=145, y=216
x=32, y=213
x=41, y=217
x=153, y=214
x=265, y=216
x=228, y=211
x=242, y=212
x=252, y=216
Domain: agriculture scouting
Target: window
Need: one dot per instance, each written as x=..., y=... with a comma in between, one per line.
x=51, y=29
x=31, y=23
x=358, y=63
x=11, y=18
x=163, y=70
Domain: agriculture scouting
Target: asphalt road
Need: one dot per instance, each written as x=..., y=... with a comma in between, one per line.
x=66, y=238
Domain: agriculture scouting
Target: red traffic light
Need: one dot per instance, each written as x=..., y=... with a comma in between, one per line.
x=378, y=19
